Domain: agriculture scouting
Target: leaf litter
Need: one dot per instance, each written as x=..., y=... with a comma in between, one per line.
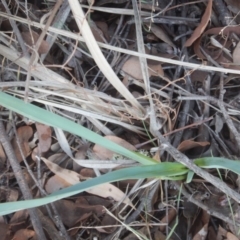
x=75, y=87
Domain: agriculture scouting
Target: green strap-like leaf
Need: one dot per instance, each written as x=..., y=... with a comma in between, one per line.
x=161, y=170
x=218, y=162
x=51, y=119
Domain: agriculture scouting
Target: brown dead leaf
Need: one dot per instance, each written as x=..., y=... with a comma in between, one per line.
x=107, y=221
x=24, y=234
x=97, y=32
x=4, y=228
x=137, y=94
x=76, y=212
x=68, y=175
x=230, y=236
x=12, y=195
x=19, y=216
x=202, y=234
x=212, y=233
x=87, y=173
x=31, y=38
x=104, y=190
x=189, y=144
x=168, y=218
x=80, y=154
x=55, y=183
x=109, y=190
x=161, y=34
x=44, y=137
x=104, y=28
x=132, y=68
x=222, y=233
x=198, y=76
x=104, y=154
x=57, y=158
x=202, y=26
x=223, y=31
x=159, y=235
x=24, y=134
x=198, y=221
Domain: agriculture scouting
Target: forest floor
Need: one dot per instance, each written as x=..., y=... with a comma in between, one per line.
x=157, y=77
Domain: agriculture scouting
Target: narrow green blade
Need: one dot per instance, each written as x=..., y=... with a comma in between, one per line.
x=218, y=162
x=161, y=170
x=51, y=119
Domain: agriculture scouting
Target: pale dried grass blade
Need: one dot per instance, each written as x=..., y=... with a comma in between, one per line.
x=122, y=50
x=97, y=55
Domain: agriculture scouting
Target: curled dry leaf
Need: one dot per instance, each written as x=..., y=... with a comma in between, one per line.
x=19, y=216
x=105, y=154
x=161, y=34
x=105, y=190
x=189, y=144
x=202, y=26
x=215, y=31
x=132, y=68
x=31, y=38
x=24, y=134
x=44, y=137
x=68, y=175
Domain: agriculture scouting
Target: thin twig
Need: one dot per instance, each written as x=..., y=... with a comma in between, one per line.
x=50, y=228
x=143, y=62
x=58, y=22
x=37, y=225
x=58, y=222
x=228, y=120
x=16, y=30
x=34, y=56
x=126, y=51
